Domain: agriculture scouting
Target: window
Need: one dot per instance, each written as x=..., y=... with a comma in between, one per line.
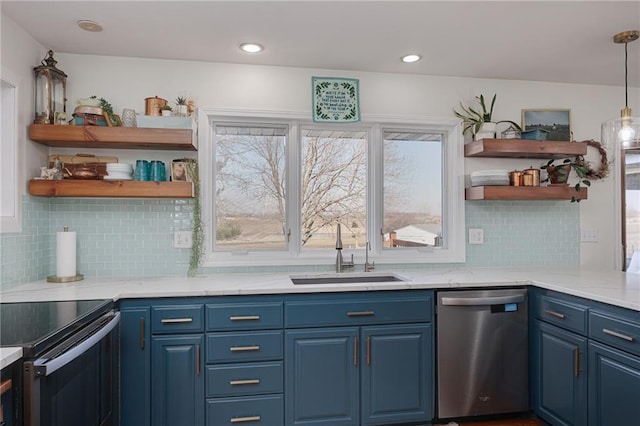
x=276, y=185
x=10, y=209
x=631, y=200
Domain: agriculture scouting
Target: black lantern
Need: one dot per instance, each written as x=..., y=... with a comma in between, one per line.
x=51, y=92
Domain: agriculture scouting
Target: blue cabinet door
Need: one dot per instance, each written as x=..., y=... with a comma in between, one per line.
x=135, y=366
x=559, y=374
x=321, y=377
x=178, y=380
x=614, y=386
x=397, y=374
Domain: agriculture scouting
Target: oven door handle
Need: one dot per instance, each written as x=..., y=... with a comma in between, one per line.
x=45, y=366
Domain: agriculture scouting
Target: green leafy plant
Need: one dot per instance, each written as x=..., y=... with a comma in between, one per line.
x=559, y=173
x=197, y=228
x=166, y=108
x=181, y=100
x=474, y=117
x=108, y=109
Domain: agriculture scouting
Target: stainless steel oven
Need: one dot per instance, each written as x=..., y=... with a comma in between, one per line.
x=70, y=366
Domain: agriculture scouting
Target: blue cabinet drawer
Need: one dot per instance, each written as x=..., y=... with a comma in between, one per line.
x=252, y=410
x=357, y=312
x=244, y=346
x=615, y=331
x=177, y=319
x=563, y=313
x=244, y=379
x=244, y=316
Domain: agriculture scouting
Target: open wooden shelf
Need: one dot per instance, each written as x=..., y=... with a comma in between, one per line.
x=110, y=188
x=522, y=148
x=524, y=193
x=112, y=137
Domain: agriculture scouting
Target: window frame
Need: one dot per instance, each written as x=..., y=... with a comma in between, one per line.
x=453, y=189
x=11, y=223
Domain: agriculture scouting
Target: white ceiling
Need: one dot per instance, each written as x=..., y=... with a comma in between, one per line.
x=556, y=41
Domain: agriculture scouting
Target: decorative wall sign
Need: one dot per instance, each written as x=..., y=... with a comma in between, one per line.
x=335, y=100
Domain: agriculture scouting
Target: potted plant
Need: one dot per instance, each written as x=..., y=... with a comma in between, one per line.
x=479, y=120
x=181, y=106
x=558, y=173
x=166, y=110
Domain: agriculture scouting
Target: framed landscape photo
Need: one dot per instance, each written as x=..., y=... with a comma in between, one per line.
x=557, y=122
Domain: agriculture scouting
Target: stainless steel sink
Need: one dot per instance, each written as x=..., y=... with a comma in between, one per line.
x=345, y=279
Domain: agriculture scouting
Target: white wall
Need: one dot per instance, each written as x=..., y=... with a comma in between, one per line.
x=126, y=82
x=20, y=53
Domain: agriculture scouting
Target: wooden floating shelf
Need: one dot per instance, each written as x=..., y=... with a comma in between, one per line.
x=110, y=188
x=524, y=193
x=522, y=148
x=112, y=137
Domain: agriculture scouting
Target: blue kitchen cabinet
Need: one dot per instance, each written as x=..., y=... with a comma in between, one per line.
x=321, y=376
x=178, y=380
x=135, y=366
x=560, y=383
x=614, y=392
x=397, y=366
x=359, y=359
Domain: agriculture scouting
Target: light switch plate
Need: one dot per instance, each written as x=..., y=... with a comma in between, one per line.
x=182, y=239
x=476, y=236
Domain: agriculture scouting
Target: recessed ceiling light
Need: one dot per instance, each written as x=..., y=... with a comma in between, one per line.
x=91, y=26
x=251, y=47
x=411, y=58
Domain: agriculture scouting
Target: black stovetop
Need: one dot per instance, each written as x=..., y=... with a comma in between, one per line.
x=37, y=326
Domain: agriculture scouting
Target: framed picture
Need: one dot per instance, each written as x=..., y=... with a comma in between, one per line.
x=335, y=100
x=556, y=122
x=179, y=172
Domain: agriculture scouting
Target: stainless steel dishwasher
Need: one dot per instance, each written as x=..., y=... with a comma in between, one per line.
x=482, y=352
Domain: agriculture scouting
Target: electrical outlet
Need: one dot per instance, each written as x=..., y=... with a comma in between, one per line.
x=182, y=239
x=476, y=236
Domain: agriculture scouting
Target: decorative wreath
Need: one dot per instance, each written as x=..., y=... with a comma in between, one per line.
x=603, y=169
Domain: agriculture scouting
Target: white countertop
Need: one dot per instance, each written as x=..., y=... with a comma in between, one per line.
x=615, y=288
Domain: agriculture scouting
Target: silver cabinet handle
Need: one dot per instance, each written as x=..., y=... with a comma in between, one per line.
x=245, y=318
x=618, y=335
x=176, y=320
x=142, y=333
x=244, y=382
x=245, y=419
x=244, y=348
x=361, y=314
x=554, y=313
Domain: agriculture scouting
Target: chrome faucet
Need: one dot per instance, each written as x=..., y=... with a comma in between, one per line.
x=368, y=266
x=340, y=263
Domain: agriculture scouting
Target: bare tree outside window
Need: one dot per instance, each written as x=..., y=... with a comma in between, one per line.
x=333, y=187
x=250, y=188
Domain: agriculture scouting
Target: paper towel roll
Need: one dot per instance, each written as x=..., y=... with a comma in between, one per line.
x=66, y=254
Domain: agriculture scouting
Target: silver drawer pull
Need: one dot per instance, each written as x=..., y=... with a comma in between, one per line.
x=244, y=348
x=361, y=314
x=245, y=419
x=176, y=320
x=554, y=313
x=618, y=335
x=245, y=318
x=244, y=382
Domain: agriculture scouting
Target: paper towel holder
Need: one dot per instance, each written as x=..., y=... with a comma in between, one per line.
x=57, y=279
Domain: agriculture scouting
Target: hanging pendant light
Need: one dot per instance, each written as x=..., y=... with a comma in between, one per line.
x=623, y=132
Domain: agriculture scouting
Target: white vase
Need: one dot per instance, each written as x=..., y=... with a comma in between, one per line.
x=487, y=131
x=166, y=113
x=181, y=110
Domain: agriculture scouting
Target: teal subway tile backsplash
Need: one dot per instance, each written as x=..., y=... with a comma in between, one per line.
x=134, y=237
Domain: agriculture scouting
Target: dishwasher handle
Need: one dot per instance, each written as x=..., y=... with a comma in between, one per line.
x=482, y=301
